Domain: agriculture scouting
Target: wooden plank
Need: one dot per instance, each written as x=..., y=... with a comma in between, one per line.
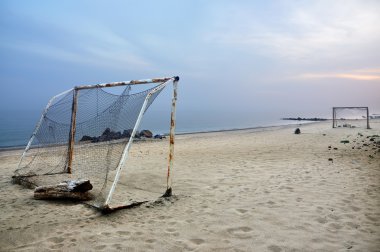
x=70, y=189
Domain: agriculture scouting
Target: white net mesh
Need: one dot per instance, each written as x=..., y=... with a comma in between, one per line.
x=103, y=126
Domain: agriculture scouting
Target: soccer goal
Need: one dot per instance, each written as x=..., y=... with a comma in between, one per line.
x=87, y=133
x=351, y=117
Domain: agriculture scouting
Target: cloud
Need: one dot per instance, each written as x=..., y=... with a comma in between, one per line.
x=302, y=31
x=360, y=74
x=89, y=43
x=370, y=70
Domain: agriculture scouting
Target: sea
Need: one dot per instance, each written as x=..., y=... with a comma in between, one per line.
x=17, y=126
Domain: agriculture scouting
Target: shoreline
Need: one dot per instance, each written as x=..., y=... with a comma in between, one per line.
x=258, y=128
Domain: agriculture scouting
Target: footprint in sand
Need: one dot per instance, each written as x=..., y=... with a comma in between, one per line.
x=355, y=209
x=56, y=239
x=150, y=240
x=106, y=234
x=240, y=232
x=57, y=246
x=334, y=226
x=120, y=247
x=271, y=203
x=170, y=230
x=242, y=211
x=370, y=217
x=274, y=248
x=100, y=247
x=123, y=233
x=197, y=241
x=352, y=225
x=321, y=220
x=57, y=242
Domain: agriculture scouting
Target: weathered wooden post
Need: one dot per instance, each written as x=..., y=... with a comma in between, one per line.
x=70, y=151
x=368, y=118
x=333, y=115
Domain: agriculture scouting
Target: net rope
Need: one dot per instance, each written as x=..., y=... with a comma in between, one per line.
x=104, y=123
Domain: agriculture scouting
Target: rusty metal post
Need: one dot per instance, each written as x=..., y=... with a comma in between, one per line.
x=70, y=151
x=368, y=118
x=333, y=117
x=171, y=139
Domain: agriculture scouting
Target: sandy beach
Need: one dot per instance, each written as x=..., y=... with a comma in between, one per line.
x=244, y=190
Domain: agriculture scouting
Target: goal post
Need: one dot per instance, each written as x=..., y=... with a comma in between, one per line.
x=87, y=133
x=127, y=147
x=350, y=117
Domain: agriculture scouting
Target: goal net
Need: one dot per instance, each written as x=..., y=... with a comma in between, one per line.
x=351, y=117
x=87, y=133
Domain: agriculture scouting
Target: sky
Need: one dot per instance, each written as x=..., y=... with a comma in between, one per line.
x=285, y=58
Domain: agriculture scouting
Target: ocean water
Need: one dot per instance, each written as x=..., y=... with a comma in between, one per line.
x=17, y=126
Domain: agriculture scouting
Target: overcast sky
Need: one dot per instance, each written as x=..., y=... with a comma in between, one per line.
x=289, y=57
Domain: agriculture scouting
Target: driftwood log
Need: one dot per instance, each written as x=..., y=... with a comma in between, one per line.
x=70, y=189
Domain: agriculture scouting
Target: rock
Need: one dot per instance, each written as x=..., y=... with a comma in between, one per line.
x=304, y=119
x=297, y=131
x=146, y=133
x=103, y=138
x=86, y=138
x=137, y=135
x=95, y=140
x=116, y=135
x=127, y=133
x=106, y=132
x=108, y=135
x=159, y=136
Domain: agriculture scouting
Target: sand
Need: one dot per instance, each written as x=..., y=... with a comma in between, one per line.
x=244, y=190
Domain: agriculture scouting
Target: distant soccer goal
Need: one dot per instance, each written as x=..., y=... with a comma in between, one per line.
x=87, y=133
x=351, y=117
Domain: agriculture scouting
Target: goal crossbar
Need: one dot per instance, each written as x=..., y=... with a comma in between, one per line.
x=124, y=83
